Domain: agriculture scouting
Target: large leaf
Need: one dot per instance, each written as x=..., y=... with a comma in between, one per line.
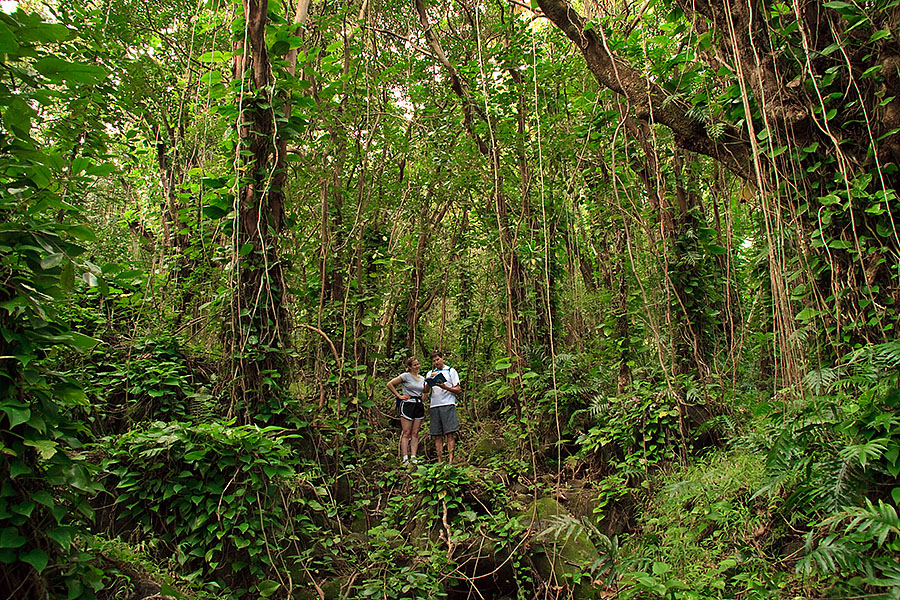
x=46, y=448
x=83, y=342
x=10, y=538
x=37, y=559
x=8, y=44
x=17, y=415
x=59, y=70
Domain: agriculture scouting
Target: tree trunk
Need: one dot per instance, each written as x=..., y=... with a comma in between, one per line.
x=256, y=335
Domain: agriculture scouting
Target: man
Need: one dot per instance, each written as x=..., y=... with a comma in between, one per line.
x=444, y=422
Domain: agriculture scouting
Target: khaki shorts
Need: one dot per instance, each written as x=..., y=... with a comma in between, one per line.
x=443, y=419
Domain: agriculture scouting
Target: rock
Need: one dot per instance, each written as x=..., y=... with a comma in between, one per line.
x=343, y=489
x=489, y=443
x=613, y=519
x=582, y=504
x=360, y=525
x=567, y=550
x=333, y=589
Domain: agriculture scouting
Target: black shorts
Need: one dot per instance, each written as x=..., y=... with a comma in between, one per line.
x=412, y=410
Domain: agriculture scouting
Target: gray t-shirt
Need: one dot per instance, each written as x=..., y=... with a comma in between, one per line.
x=412, y=385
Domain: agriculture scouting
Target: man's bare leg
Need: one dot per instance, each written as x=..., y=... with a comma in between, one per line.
x=439, y=446
x=451, y=444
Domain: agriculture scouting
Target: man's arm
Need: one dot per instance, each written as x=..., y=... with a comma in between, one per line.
x=455, y=389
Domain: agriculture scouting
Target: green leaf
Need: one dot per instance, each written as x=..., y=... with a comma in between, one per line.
x=871, y=71
x=16, y=415
x=34, y=30
x=83, y=342
x=241, y=543
x=75, y=588
x=167, y=590
x=18, y=117
x=267, y=588
x=83, y=233
x=10, y=538
x=101, y=170
x=62, y=536
x=807, y=313
x=25, y=509
x=52, y=261
x=58, y=70
x=71, y=394
x=216, y=56
x=67, y=276
x=46, y=448
x=37, y=559
x=43, y=497
x=8, y=44
x=17, y=467
x=214, y=212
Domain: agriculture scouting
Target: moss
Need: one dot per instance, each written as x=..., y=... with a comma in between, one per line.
x=568, y=552
x=489, y=443
x=333, y=588
x=301, y=592
x=359, y=525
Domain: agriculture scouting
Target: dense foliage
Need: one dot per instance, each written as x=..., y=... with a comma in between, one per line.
x=656, y=239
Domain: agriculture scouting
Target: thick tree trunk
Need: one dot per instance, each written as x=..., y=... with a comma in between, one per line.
x=256, y=335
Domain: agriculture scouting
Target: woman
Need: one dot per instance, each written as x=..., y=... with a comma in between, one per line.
x=412, y=411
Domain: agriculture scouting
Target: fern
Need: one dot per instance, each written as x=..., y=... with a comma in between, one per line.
x=834, y=483
x=684, y=488
x=878, y=521
x=825, y=456
x=720, y=424
x=692, y=392
x=599, y=406
x=830, y=556
x=784, y=462
x=563, y=361
x=887, y=355
x=852, y=551
x=862, y=378
x=819, y=380
x=869, y=451
x=561, y=528
x=889, y=578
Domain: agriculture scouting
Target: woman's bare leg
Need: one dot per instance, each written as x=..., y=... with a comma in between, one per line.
x=406, y=426
x=414, y=437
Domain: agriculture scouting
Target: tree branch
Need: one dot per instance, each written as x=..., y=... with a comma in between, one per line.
x=458, y=85
x=650, y=101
